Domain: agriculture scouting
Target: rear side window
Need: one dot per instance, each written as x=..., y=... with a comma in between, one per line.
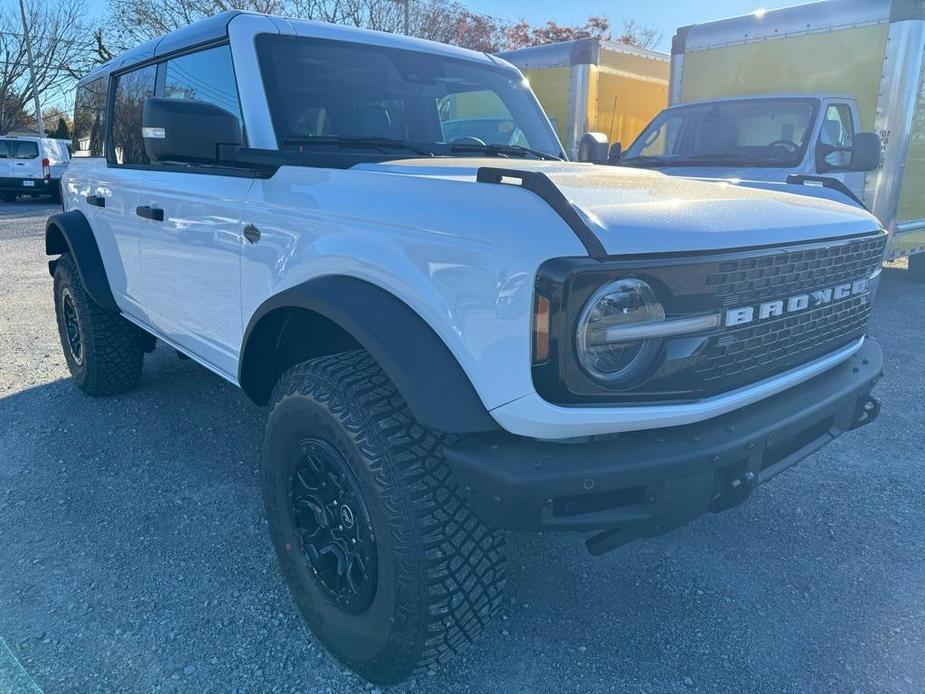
x=24, y=150
x=204, y=76
x=90, y=119
x=131, y=90
x=18, y=149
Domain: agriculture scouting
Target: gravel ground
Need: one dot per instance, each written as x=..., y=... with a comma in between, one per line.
x=133, y=553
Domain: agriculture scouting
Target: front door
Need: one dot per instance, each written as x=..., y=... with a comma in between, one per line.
x=836, y=133
x=191, y=237
x=189, y=221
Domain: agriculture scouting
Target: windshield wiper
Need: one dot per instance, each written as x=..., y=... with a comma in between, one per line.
x=720, y=159
x=644, y=160
x=383, y=144
x=503, y=150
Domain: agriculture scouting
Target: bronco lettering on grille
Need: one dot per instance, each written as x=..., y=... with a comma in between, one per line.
x=794, y=304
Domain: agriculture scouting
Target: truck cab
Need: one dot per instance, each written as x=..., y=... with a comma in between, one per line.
x=760, y=138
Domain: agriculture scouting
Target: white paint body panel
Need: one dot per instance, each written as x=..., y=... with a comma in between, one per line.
x=463, y=255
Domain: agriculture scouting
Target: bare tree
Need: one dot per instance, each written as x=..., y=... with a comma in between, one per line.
x=522, y=34
x=137, y=21
x=62, y=53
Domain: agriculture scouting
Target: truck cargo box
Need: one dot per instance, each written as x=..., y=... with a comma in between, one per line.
x=595, y=85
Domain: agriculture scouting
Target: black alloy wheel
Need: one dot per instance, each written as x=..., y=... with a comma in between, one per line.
x=334, y=526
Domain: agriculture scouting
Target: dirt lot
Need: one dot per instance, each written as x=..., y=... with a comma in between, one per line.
x=133, y=553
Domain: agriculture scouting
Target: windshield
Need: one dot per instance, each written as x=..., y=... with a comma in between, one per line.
x=322, y=91
x=757, y=132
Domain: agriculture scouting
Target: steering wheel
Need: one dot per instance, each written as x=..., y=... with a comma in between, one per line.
x=786, y=144
x=469, y=140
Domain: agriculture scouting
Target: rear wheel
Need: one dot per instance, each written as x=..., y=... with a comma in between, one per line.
x=7, y=196
x=917, y=267
x=384, y=559
x=104, y=352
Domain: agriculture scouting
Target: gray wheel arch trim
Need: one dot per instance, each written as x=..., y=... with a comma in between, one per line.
x=70, y=232
x=412, y=355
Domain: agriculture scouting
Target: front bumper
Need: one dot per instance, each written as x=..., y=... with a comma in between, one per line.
x=645, y=483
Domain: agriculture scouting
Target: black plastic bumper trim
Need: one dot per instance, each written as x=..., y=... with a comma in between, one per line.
x=657, y=480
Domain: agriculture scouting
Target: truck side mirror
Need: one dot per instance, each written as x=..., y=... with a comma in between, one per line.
x=592, y=147
x=185, y=130
x=865, y=152
x=616, y=151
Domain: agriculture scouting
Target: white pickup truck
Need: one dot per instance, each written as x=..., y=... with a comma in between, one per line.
x=788, y=95
x=452, y=336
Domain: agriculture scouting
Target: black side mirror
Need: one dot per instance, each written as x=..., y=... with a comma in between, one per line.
x=184, y=130
x=592, y=147
x=865, y=152
x=616, y=151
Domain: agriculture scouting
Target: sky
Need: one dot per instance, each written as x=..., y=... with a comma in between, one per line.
x=665, y=15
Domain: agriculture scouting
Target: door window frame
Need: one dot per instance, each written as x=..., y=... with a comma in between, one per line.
x=160, y=79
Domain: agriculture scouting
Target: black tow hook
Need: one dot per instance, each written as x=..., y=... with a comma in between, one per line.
x=867, y=410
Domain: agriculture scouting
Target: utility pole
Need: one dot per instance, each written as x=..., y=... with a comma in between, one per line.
x=35, y=90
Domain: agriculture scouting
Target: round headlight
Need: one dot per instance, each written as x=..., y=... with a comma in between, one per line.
x=602, y=351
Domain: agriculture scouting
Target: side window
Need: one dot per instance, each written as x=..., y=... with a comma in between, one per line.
x=131, y=90
x=836, y=135
x=204, y=76
x=90, y=119
x=24, y=150
x=5, y=149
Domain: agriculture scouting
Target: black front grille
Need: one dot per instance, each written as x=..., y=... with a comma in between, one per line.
x=750, y=280
x=748, y=354
x=725, y=358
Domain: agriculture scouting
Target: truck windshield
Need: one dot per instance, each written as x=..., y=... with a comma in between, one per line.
x=748, y=132
x=341, y=94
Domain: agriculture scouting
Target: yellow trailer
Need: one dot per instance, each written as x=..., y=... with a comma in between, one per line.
x=869, y=51
x=595, y=85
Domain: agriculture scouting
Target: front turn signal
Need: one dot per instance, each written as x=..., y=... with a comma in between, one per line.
x=540, y=329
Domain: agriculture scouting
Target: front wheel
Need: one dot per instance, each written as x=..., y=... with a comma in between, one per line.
x=385, y=561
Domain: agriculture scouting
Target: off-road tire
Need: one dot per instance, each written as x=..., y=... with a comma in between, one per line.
x=110, y=357
x=440, y=569
x=917, y=267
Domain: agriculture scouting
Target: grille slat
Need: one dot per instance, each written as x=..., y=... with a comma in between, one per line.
x=748, y=354
x=752, y=280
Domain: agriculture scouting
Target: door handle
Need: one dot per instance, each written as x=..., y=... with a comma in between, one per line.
x=148, y=212
x=96, y=200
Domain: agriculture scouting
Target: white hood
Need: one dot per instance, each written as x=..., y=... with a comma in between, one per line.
x=643, y=211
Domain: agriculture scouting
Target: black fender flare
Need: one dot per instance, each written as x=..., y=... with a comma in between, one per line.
x=412, y=355
x=70, y=232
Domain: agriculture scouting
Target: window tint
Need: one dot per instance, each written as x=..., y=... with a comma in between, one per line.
x=204, y=76
x=24, y=150
x=89, y=119
x=318, y=87
x=132, y=89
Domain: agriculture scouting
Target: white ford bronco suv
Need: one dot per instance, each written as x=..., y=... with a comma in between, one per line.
x=454, y=335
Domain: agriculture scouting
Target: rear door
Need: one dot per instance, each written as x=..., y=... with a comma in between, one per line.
x=26, y=161
x=191, y=230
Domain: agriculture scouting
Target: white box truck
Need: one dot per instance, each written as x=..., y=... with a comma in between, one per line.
x=785, y=93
